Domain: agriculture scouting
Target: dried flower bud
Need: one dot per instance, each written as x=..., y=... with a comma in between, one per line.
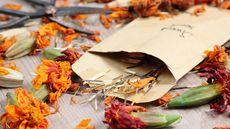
x=11, y=79
x=23, y=46
x=120, y=116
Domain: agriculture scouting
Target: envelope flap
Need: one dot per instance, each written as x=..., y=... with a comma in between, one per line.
x=179, y=41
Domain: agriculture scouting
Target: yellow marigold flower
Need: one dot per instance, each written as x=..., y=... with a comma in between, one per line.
x=56, y=75
x=27, y=113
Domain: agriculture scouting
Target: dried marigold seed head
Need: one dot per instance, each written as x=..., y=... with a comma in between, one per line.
x=117, y=116
x=70, y=55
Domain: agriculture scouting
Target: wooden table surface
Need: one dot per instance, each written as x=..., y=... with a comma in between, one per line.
x=71, y=114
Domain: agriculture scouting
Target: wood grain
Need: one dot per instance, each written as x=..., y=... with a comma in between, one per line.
x=69, y=115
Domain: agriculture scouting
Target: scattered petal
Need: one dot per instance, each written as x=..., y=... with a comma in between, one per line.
x=84, y=124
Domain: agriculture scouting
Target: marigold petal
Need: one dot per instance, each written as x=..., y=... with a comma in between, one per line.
x=3, y=71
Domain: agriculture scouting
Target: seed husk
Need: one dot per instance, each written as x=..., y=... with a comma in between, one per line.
x=23, y=46
x=196, y=96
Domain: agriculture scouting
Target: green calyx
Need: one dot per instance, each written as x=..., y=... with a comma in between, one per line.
x=156, y=120
x=11, y=98
x=51, y=54
x=41, y=93
x=196, y=96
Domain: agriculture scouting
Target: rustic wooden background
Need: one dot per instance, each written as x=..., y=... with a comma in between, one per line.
x=71, y=114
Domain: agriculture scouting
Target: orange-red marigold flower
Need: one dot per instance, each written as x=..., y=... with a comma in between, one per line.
x=56, y=75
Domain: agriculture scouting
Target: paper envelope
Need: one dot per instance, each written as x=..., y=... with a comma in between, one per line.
x=179, y=42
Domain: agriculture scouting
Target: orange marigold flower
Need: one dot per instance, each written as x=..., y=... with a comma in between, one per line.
x=29, y=113
x=225, y=5
x=12, y=6
x=7, y=43
x=56, y=75
x=42, y=42
x=146, y=8
x=84, y=124
x=51, y=29
x=215, y=58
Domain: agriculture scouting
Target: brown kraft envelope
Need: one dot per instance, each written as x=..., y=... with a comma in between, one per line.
x=179, y=42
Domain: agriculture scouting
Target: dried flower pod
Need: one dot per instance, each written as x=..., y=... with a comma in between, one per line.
x=196, y=96
x=11, y=79
x=24, y=111
x=120, y=116
x=23, y=46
